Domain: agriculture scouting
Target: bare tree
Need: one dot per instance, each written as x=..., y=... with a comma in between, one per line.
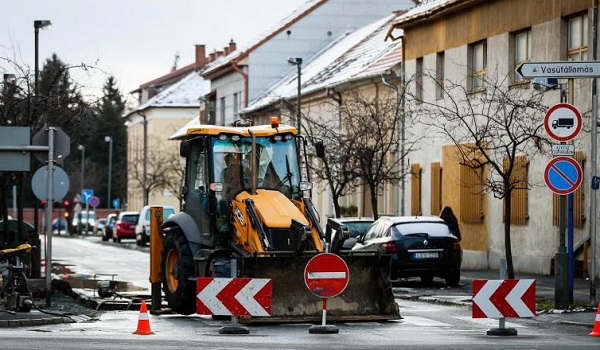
x=164, y=170
x=362, y=142
x=490, y=129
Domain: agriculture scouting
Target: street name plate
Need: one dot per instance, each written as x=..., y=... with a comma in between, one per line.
x=563, y=150
x=559, y=69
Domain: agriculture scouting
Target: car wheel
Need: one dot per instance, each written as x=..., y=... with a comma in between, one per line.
x=426, y=279
x=453, y=278
x=143, y=241
x=177, y=267
x=104, y=238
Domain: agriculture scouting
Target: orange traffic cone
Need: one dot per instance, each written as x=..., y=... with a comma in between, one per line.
x=596, y=330
x=143, y=326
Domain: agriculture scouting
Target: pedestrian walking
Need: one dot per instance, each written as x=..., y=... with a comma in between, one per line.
x=448, y=216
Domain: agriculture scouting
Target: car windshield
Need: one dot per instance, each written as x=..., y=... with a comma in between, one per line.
x=130, y=218
x=357, y=228
x=276, y=162
x=166, y=213
x=436, y=229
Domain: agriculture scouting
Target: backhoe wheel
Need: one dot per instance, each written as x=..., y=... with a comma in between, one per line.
x=220, y=267
x=178, y=266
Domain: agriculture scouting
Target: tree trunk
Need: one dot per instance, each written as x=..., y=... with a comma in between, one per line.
x=507, y=244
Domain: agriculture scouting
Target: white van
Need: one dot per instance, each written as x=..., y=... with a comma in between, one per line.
x=142, y=229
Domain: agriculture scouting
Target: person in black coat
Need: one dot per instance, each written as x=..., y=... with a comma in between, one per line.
x=448, y=216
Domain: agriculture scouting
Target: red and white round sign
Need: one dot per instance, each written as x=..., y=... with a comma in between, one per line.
x=562, y=122
x=326, y=275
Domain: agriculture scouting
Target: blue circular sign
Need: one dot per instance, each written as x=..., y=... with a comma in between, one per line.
x=94, y=201
x=563, y=175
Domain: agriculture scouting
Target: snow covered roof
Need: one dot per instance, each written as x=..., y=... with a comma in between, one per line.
x=184, y=93
x=244, y=50
x=426, y=8
x=358, y=55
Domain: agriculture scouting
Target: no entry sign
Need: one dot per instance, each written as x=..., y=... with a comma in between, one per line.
x=563, y=175
x=326, y=275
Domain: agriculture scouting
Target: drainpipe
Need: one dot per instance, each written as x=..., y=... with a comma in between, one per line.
x=245, y=76
x=401, y=165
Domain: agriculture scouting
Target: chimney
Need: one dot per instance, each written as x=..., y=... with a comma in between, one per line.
x=219, y=53
x=213, y=55
x=232, y=46
x=226, y=50
x=200, y=56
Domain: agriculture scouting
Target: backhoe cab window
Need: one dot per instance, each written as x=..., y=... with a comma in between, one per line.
x=276, y=162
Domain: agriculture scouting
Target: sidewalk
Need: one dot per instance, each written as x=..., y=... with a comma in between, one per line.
x=582, y=315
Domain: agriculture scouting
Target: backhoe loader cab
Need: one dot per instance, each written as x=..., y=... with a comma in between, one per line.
x=246, y=197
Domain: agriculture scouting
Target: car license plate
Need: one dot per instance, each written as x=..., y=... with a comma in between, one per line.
x=426, y=255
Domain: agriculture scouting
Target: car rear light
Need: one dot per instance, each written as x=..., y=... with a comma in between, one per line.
x=456, y=245
x=389, y=247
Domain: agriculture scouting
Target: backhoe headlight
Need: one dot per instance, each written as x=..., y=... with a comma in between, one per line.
x=305, y=186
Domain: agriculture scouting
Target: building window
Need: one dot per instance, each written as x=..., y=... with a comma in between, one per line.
x=518, y=211
x=471, y=194
x=577, y=40
x=522, y=51
x=439, y=75
x=478, y=65
x=222, y=110
x=415, y=190
x=419, y=79
x=236, y=106
x=436, y=188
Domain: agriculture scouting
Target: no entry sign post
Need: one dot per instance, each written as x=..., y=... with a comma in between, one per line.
x=326, y=275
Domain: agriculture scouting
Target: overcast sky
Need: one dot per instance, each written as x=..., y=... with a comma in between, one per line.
x=134, y=40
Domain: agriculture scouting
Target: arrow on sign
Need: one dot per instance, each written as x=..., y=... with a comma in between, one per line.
x=233, y=296
x=503, y=298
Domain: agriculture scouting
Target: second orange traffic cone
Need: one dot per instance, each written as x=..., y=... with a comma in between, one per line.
x=596, y=330
x=143, y=326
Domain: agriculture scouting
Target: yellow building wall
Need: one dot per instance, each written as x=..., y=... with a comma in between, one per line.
x=474, y=236
x=483, y=21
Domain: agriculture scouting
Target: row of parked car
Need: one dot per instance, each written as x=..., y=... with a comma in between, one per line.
x=131, y=224
x=420, y=246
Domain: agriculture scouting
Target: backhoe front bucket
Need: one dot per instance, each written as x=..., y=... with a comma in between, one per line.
x=368, y=295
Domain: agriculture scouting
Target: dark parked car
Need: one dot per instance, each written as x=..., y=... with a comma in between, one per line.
x=419, y=245
x=356, y=226
x=125, y=225
x=109, y=226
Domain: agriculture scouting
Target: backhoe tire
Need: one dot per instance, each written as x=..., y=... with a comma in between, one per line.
x=177, y=267
x=220, y=267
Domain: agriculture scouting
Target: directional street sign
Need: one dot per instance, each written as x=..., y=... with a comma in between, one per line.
x=233, y=296
x=563, y=175
x=326, y=275
x=86, y=194
x=562, y=122
x=560, y=69
x=503, y=298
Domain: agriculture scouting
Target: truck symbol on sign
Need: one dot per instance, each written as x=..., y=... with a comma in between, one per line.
x=563, y=123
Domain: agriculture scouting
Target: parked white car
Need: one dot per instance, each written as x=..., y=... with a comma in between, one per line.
x=142, y=229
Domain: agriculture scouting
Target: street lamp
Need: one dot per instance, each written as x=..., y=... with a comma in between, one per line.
x=82, y=149
x=297, y=61
x=109, y=139
x=37, y=25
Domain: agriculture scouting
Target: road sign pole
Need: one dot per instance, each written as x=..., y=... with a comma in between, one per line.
x=594, y=145
x=49, y=195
